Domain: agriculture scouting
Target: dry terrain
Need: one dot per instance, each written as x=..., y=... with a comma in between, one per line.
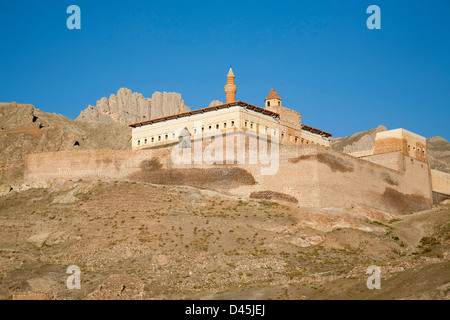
x=134, y=240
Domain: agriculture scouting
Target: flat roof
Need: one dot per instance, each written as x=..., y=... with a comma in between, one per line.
x=314, y=130
x=222, y=106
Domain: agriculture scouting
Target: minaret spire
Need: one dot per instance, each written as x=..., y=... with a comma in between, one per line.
x=230, y=88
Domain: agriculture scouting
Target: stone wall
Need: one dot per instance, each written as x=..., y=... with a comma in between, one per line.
x=392, y=160
x=313, y=175
x=309, y=137
x=288, y=118
x=440, y=182
x=408, y=143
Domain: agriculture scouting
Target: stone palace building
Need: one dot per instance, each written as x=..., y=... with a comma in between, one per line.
x=272, y=120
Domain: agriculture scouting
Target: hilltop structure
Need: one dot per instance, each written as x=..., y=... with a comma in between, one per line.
x=233, y=116
x=392, y=177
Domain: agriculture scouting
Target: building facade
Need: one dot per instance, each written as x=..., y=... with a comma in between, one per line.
x=233, y=116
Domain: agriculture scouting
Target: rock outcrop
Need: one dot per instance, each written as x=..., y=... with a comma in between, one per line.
x=439, y=154
x=215, y=103
x=129, y=107
x=360, y=141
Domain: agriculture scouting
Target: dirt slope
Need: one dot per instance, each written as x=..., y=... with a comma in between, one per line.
x=143, y=241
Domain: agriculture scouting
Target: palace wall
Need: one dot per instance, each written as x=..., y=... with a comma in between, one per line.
x=440, y=182
x=310, y=175
x=314, y=138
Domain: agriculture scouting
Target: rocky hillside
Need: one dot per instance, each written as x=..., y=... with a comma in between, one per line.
x=127, y=107
x=25, y=129
x=357, y=142
x=135, y=240
x=439, y=154
x=438, y=147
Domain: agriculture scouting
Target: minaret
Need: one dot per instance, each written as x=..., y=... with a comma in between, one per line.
x=230, y=88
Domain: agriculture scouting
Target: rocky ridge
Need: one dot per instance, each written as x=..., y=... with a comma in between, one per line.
x=360, y=141
x=129, y=107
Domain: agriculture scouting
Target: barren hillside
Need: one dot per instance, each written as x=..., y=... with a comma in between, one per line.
x=25, y=129
x=137, y=240
x=141, y=241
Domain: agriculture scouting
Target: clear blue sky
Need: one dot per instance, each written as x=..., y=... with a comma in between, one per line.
x=317, y=54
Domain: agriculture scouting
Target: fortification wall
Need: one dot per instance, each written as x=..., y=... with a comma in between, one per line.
x=392, y=160
x=288, y=118
x=410, y=144
x=440, y=182
x=87, y=164
x=345, y=181
x=310, y=175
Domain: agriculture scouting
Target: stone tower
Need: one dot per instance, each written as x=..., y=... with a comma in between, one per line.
x=230, y=88
x=273, y=99
x=288, y=117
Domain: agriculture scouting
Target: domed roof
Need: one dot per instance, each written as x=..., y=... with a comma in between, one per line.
x=273, y=95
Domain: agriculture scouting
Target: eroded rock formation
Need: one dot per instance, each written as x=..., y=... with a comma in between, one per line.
x=129, y=107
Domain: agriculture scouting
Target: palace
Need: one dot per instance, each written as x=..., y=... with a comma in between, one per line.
x=272, y=120
x=392, y=176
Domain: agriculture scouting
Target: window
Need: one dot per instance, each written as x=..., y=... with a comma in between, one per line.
x=409, y=147
x=139, y=142
x=167, y=136
x=224, y=125
x=232, y=123
x=279, y=103
x=246, y=124
x=282, y=136
x=203, y=129
x=173, y=135
x=296, y=139
x=210, y=127
x=268, y=103
x=153, y=139
x=145, y=141
x=251, y=125
x=217, y=126
x=195, y=130
x=159, y=138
